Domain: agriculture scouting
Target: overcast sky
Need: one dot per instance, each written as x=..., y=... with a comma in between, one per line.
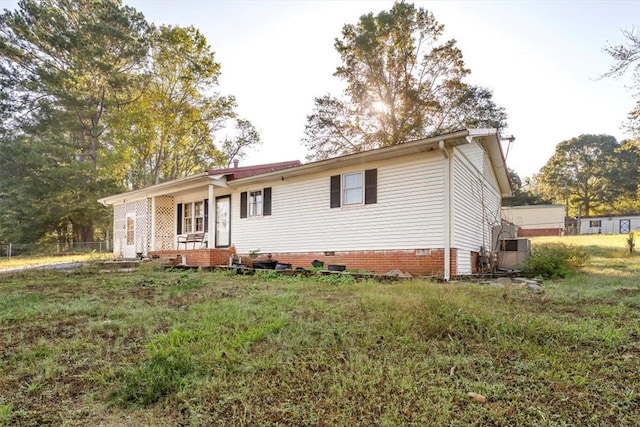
x=541, y=59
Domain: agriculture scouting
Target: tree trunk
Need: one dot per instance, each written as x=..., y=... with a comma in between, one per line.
x=86, y=231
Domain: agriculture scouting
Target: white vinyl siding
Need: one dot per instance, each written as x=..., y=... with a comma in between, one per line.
x=464, y=262
x=476, y=204
x=409, y=213
x=190, y=196
x=535, y=217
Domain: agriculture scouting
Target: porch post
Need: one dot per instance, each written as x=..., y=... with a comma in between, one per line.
x=211, y=240
x=153, y=223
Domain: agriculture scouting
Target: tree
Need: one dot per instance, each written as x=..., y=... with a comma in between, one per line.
x=580, y=171
x=626, y=177
x=69, y=60
x=522, y=192
x=246, y=137
x=401, y=84
x=170, y=131
x=48, y=193
x=628, y=57
x=94, y=101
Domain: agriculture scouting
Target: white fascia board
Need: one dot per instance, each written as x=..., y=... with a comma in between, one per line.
x=166, y=188
x=496, y=156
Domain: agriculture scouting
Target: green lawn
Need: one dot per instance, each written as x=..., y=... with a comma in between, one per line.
x=205, y=349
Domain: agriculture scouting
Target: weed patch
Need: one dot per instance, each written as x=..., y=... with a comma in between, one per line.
x=205, y=349
x=553, y=261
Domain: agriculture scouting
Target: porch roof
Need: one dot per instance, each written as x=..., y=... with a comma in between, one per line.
x=164, y=188
x=217, y=177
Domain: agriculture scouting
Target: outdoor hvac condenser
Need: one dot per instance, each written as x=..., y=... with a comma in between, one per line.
x=513, y=252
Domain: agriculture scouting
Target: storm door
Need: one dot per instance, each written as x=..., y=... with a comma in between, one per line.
x=223, y=222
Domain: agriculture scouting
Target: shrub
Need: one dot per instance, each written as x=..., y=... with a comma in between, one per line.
x=553, y=260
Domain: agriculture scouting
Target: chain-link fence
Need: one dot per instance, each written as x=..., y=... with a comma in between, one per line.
x=48, y=249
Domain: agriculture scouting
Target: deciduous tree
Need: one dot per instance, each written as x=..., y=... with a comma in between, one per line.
x=581, y=171
x=523, y=193
x=402, y=83
x=170, y=131
x=627, y=56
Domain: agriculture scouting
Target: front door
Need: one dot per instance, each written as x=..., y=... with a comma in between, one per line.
x=223, y=222
x=130, y=237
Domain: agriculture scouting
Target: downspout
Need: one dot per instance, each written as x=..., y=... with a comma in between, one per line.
x=447, y=210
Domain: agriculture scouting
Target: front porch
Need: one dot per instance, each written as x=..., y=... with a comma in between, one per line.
x=194, y=257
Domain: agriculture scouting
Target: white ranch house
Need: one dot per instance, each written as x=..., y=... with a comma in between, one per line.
x=609, y=224
x=425, y=206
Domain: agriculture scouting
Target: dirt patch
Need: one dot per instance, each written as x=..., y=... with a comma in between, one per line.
x=628, y=291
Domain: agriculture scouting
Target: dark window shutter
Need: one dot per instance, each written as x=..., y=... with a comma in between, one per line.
x=243, y=204
x=335, y=191
x=179, y=224
x=206, y=215
x=370, y=186
x=266, y=201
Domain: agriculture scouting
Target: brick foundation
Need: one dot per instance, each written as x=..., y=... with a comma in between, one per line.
x=430, y=262
x=416, y=262
x=531, y=232
x=197, y=257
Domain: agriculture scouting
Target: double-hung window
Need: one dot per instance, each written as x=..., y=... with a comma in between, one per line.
x=255, y=203
x=198, y=216
x=187, y=226
x=352, y=188
x=193, y=217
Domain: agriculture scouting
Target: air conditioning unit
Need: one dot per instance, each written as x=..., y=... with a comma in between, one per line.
x=502, y=232
x=513, y=252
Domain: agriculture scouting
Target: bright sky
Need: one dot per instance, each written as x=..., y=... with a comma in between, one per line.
x=542, y=60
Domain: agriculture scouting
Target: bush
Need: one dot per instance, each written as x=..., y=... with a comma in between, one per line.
x=553, y=260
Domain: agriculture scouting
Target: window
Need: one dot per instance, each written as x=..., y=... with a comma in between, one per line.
x=255, y=203
x=352, y=188
x=595, y=223
x=130, y=222
x=188, y=218
x=198, y=215
x=192, y=217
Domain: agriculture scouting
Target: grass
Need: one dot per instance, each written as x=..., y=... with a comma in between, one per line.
x=204, y=349
x=24, y=261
